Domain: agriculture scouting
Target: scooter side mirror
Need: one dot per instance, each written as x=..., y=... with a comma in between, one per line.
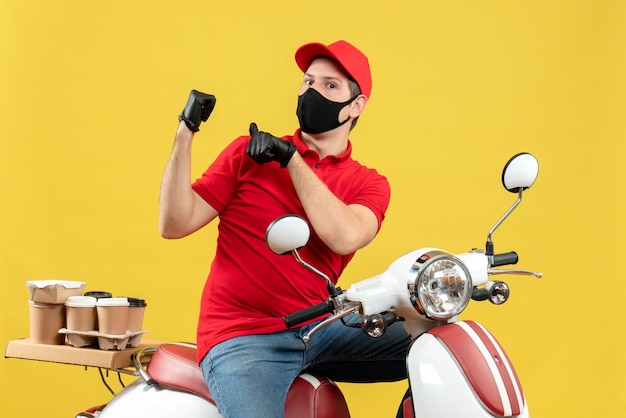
x=287, y=233
x=520, y=172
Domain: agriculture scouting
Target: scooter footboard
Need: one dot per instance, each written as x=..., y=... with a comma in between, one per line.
x=461, y=370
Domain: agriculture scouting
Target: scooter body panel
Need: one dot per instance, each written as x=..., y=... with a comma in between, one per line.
x=449, y=379
x=139, y=400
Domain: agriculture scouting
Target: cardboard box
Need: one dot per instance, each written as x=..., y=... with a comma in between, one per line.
x=66, y=354
x=53, y=291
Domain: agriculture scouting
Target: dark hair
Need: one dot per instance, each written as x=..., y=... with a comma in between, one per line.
x=355, y=90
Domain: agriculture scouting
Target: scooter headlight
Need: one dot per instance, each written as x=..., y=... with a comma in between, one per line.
x=442, y=287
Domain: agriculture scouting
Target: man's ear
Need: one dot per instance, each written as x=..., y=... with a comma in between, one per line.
x=358, y=105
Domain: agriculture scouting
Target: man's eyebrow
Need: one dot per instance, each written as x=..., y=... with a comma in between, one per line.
x=325, y=78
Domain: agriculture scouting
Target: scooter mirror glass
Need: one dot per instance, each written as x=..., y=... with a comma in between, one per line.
x=287, y=233
x=520, y=172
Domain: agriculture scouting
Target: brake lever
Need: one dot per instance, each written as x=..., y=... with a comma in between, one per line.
x=494, y=272
x=352, y=307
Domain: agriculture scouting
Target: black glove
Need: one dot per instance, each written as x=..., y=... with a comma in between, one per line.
x=264, y=147
x=199, y=107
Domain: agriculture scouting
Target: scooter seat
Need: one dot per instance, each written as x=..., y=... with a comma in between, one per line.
x=314, y=396
x=175, y=365
x=310, y=396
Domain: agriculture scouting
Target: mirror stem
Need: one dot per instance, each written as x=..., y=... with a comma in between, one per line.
x=332, y=290
x=489, y=248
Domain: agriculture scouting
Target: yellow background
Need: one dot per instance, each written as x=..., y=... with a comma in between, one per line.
x=90, y=91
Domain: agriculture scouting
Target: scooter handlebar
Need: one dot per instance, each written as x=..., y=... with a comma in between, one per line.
x=505, y=259
x=308, y=313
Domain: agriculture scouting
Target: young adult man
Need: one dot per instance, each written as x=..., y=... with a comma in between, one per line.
x=248, y=357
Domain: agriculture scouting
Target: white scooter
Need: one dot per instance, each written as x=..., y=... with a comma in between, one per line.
x=455, y=368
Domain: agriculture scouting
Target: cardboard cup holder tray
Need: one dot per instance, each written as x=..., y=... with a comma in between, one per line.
x=105, y=341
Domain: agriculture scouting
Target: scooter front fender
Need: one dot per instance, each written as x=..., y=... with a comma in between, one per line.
x=460, y=370
x=139, y=400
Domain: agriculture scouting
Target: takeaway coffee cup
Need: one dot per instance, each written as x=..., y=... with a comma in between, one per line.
x=135, y=313
x=45, y=322
x=112, y=315
x=98, y=294
x=81, y=313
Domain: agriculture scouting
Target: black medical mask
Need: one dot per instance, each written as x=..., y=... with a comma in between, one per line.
x=317, y=114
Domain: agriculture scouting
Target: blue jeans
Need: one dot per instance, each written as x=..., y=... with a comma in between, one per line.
x=249, y=376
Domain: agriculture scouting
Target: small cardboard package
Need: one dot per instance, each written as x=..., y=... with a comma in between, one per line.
x=53, y=291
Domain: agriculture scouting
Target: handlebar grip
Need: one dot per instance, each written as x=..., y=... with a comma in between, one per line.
x=308, y=313
x=505, y=259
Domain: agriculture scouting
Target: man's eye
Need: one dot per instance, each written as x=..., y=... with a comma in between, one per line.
x=332, y=85
x=308, y=82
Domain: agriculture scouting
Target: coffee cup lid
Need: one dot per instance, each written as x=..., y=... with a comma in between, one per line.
x=137, y=302
x=98, y=294
x=113, y=302
x=81, y=301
